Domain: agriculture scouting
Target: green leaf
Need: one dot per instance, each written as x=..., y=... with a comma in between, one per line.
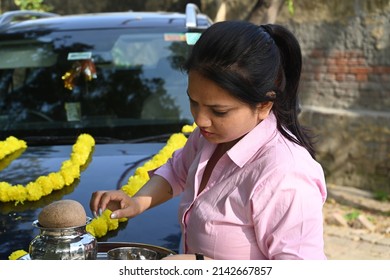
x=290, y=5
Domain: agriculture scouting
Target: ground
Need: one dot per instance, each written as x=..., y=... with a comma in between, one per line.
x=357, y=226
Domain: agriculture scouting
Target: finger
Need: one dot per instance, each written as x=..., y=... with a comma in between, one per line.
x=94, y=202
x=122, y=213
x=128, y=209
x=111, y=198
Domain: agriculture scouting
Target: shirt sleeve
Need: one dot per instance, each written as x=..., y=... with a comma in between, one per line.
x=290, y=225
x=176, y=169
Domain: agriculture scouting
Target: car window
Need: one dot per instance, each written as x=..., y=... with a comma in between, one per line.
x=25, y=54
x=143, y=50
x=66, y=82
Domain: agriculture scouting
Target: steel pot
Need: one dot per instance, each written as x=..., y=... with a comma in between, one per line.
x=73, y=243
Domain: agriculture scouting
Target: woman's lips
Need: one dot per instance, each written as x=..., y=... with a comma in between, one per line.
x=205, y=133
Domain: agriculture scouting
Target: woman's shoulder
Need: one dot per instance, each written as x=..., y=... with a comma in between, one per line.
x=285, y=160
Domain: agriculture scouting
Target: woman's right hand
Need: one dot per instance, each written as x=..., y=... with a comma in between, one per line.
x=120, y=203
x=156, y=191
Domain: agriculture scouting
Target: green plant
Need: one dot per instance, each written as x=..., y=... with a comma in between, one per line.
x=352, y=215
x=382, y=196
x=290, y=5
x=36, y=5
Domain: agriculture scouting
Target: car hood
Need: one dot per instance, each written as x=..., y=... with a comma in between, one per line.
x=109, y=168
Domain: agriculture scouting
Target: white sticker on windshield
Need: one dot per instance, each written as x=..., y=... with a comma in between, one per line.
x=79, y=55
x=73, y=111
x=174, y=37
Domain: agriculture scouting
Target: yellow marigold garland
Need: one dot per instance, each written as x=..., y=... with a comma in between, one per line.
x=11, y=145
x=10, y=158
x=187, y=129
x=10, y=149
x=141, y=175
x=17, y=254
x=44, y=185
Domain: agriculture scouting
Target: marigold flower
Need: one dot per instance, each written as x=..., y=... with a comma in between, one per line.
x=17, y=254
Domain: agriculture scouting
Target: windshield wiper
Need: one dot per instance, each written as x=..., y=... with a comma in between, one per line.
x=154, y=138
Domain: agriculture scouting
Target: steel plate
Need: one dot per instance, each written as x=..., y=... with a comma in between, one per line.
x=103, y=248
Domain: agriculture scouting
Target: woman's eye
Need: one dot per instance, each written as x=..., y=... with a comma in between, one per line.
x=220, y=113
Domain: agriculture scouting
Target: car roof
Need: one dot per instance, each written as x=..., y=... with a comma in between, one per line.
x=115, y=20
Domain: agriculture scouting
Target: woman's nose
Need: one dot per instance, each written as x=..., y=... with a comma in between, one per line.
x=201, y=119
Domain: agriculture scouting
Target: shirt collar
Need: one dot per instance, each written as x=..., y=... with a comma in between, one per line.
x=244, y=149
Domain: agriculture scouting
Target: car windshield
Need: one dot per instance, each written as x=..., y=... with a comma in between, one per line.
x=127, y=86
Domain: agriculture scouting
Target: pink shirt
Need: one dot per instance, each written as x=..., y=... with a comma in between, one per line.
x=263, y=200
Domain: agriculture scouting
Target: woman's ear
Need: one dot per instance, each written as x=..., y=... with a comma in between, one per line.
x=263, y=109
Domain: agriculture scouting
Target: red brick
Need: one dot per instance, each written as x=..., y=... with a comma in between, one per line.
x=340, y=77
x=353, y=62
x=354, y=54
x=342, y=61
x=360, y=70
x=317, y=53
x=361, y=77
x=331, y=61
x=381, y=69
x=362, y=61
x=338, y=69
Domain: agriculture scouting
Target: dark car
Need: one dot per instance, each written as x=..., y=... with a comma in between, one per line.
x=114, y=76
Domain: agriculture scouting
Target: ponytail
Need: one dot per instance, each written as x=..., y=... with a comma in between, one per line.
x=286, y=105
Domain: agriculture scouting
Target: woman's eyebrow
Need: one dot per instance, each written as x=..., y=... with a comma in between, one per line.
x=219, y=106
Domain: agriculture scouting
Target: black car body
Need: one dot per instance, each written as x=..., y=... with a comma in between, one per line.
x=115, y=76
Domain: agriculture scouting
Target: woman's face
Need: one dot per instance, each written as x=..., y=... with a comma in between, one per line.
x=221, y=117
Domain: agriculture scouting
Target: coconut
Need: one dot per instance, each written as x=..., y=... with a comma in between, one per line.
x=63, y=214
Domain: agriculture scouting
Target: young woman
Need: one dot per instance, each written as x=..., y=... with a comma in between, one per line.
x=250, y=186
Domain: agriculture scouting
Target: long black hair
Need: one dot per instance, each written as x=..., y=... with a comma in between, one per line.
x=255, y=64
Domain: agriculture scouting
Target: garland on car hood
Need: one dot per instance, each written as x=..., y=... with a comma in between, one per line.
x=9, y=147
x=100, y=226
x=70, y=171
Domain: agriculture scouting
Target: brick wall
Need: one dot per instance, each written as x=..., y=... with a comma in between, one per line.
x=345, y=79
x=345, y=94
